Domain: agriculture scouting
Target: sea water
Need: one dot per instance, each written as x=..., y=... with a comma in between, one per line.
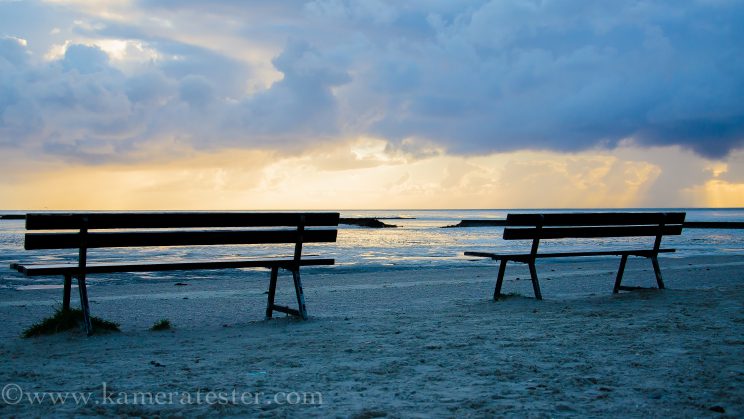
x=418, y=241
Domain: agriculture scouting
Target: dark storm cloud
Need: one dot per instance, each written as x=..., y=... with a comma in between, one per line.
x=572, y=75
x=472, y=77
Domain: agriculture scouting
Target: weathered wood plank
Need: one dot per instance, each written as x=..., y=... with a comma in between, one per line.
x=634, y=288
x=174, y=238
x=525, y=256
x=287, y=310
x=595, y=219
x=520, y=257
x=94, y=221
x=100, y=267
x=588, y=232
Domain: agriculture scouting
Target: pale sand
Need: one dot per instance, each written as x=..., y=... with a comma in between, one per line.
x=402, y=343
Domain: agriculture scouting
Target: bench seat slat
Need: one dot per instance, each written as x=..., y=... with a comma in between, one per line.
x=103, y=267
x=588, y=232
x=497, y=256
x=595, y=219
x=526, y=256
x=174, y=238
x=177, y=220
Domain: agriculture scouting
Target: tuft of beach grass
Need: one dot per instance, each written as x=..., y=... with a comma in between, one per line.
x=161, y=325
x=63, y=320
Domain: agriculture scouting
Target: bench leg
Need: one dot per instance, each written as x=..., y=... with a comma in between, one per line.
x=499, y=279
x=66, y=295
x=535, y=283
x=657, y=271
x=271, y=307
x=619, y=277
x=84, y=306
x=272, y=291
x=300, y=293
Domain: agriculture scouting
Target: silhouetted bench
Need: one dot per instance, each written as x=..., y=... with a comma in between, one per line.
x=537, y=227
x=116, y=230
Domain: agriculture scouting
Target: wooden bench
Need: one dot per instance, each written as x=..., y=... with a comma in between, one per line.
x=116, y=230
x=537, y=227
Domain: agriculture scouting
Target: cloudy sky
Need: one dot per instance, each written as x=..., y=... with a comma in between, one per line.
x=342, y=104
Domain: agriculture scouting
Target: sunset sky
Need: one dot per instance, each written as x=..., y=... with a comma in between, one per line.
x=371, y=104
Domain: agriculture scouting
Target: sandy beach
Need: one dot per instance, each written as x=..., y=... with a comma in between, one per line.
x=398, y=343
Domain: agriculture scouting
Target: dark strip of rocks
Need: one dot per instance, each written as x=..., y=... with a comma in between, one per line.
x=714, y=224
x=365, y=222
x=478, y=223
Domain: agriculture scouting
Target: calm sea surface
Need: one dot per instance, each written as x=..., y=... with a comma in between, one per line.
x=418, y=241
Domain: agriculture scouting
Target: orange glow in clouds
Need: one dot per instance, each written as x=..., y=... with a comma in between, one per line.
x=364, y=174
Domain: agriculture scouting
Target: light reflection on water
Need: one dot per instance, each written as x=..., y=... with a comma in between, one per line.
x=418, y=241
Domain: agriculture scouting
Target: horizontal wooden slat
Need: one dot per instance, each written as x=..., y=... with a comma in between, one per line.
x=588, y=232
x=497, y=256
x=634, y=288
x=174, y=238
x=526, y=256
x=71, y=268
x=75, y=221
x=285, y=309
x=642, y=253
x=595, y=219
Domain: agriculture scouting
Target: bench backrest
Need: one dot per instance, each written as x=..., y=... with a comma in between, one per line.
x=593, y=225
x=185, y=229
